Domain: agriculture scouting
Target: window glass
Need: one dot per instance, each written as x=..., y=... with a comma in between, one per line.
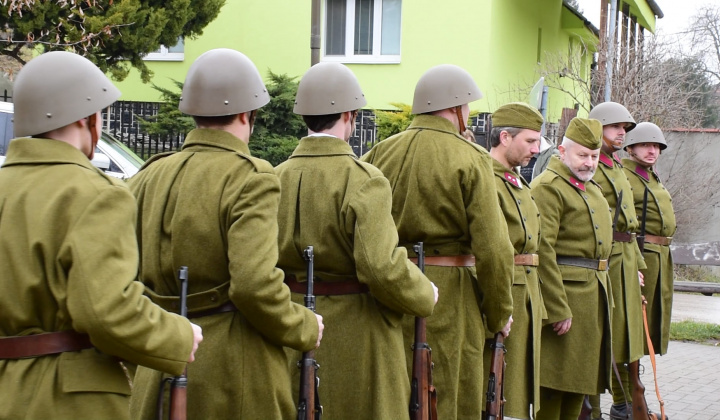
x=364, y=20
x=391, y=27
x=336, y=14
x=179, y=47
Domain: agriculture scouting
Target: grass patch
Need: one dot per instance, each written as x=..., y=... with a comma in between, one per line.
x=699, y=273
x=694, y=331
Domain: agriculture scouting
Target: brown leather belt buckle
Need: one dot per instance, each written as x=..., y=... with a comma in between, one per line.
x=602, y=265
x=527, y=259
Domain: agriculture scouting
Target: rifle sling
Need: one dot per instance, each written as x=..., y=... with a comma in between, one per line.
x=651, y=350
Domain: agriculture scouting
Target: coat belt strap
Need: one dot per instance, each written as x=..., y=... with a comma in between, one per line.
x=624, y=237
x=658, y=240
x=448, y=260
x=225, y=307
x=43, y=344
x=599, y=265
x=527, y=259
x=325, y=288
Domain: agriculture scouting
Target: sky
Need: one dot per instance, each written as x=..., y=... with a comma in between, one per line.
x=677, y=13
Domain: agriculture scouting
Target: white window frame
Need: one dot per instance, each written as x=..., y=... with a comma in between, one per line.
x=376, y=57
x=164, y=54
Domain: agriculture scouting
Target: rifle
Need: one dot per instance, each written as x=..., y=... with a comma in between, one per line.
x=618, y=207
x=309, y=407
x=586, y=409
x=178, y=384
x=495, y=395
x=641, y=236
x=423, y=396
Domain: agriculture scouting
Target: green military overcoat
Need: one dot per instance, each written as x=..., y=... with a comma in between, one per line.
x=341, y=207
x=444, y=195
x=69, y=257
x=626, y=260
x=575, y=222
x=213, y=208
x=659, y=221
x=522, y=379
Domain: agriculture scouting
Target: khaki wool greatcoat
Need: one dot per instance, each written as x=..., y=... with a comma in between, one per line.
x=69, y=258
x=341, y=207
x=522, y=382
x=626, y=260
x=444, y=195
x=659, y=221
x=213, y=208
x=575, y=222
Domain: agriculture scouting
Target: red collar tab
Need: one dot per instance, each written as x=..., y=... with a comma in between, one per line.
x=577, y=184
x=513, y=179
x=606, y=160
x=616, y=159
x=642, y=172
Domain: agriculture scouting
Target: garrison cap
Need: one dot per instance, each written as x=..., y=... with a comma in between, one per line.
x=585, y=132
x=519, y=115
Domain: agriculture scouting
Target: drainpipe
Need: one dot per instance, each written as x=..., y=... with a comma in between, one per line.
x=315, y=33
x=610, y=63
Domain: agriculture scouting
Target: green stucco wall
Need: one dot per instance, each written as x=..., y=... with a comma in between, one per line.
x=495, y=40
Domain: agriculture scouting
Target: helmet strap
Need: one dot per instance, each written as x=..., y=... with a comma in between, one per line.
x=461, y=120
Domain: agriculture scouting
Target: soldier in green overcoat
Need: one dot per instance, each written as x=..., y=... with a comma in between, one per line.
x=444, y=195
x=213, y=208
x=644, y=146
x=364, y=282
x=626, y=259
x=515, y=138
x=575, y=246
x=71, y=308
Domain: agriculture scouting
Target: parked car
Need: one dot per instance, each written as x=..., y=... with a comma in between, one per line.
x=111, y=156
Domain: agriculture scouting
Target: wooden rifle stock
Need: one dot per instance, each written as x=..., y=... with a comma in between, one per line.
x=495, y=396
x=423, y=397
x=309, y=407
x=640, y=409
x=178, y=384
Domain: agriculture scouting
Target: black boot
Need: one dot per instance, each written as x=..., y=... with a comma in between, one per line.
x=621, y=411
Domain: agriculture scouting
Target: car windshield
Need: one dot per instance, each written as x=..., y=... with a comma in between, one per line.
x=123, y=150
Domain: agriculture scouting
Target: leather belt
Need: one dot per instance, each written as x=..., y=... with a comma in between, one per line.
x=448, y=260
x=658, y=240
x=624, y=237
x=599, y=265
x=225, y=307
x=527, y=259
x=333, y=288
x=43, y=344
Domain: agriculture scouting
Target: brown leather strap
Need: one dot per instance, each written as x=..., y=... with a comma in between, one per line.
x=225, y=307
x=350, y=287
x=624, y=237
x=448, y=260
x=527, y=259
x=599, y=265
x=43, y=344
x=658, y=240
x=651, y=350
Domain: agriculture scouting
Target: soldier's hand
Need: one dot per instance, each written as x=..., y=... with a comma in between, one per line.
x=562, y=327
x=641, y=278
x=197, y=338
x=506, y=329
x=435, y=290
x=321, y=327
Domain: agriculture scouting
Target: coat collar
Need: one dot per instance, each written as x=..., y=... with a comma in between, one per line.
x=209, y=137
x=432, y=122
x=639, y=169
x=26, y=150
x=609, y=160
x=510, y=176
x=323, y=146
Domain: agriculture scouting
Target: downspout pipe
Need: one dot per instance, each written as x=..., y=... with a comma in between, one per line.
x=610, y=63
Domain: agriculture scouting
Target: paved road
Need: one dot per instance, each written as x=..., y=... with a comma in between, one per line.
x=694, y=306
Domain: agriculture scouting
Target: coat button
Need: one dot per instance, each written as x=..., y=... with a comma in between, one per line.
x=529, y=236
x=527, y=271
x=597, y=227
x=599, y=242
x=213, y=298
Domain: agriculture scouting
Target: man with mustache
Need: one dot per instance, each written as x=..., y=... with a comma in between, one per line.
x=515, y=138
x=644, y=146
x=574, y=249
x=626, y=260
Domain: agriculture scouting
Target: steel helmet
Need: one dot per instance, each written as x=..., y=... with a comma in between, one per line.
x=646, y=132
x=56, y=89
x=612, y=113
x=222, y=82
x=328, y=88
x=442, y=87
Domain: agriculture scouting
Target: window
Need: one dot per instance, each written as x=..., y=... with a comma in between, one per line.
x=174, y=53
x=362, y=31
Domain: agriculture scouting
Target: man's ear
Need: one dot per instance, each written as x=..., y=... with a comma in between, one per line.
x=243, y=117
x=505, y=137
